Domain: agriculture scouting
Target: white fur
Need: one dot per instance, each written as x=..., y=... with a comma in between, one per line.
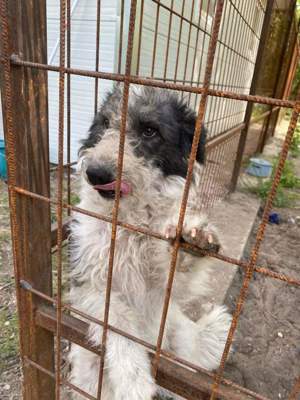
x=141, y=267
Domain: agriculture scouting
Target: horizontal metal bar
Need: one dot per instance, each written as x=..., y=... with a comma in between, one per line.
x=214, y=142
x=263, y=116
x=184, y=245
x=71, y=164
x=64, y=382
x=15, y=60
x=171, y=376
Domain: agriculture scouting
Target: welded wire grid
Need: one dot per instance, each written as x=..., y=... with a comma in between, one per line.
x=208, y=35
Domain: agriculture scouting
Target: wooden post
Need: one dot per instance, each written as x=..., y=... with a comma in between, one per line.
x=278, y=89
x=25, y=105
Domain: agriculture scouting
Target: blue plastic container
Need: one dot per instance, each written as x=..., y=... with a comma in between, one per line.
x=3, y=166
x=259, y=167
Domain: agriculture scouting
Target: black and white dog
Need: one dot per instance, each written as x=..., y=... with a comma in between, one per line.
x=159, y=135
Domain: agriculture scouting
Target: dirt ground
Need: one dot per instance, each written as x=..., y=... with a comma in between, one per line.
x=267, y=342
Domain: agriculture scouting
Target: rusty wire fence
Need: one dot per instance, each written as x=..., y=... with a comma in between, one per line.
x=212, y=55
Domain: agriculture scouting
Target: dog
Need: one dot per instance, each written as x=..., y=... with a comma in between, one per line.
x=159, y=133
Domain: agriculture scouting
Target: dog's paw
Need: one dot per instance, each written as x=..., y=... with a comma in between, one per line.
x=196, y=231
x=205, y=239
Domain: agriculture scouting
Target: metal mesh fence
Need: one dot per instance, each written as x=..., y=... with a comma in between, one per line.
x=209, y=51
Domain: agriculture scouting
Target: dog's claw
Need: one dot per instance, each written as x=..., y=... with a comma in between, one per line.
x=204, y=239
x=170, y=232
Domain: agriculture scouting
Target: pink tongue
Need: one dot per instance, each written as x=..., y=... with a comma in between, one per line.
x=125, y=187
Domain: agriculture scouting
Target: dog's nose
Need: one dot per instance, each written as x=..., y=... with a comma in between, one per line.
x=99, y=175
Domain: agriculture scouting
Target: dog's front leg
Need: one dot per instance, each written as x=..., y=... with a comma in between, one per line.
x=201, y=342
x=127, y=365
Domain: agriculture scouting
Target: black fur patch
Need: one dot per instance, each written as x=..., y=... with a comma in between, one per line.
x=160, y=125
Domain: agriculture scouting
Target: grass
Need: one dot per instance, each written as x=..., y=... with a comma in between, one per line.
x=285, y=194
x=295, y=145
x=9, y=346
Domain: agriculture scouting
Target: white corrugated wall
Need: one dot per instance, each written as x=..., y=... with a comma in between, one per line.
x=83, y=42
x=83, y=39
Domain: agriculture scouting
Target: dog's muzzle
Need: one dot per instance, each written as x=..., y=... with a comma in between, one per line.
x=103, y=180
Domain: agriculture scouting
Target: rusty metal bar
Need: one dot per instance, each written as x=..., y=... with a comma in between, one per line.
x=259, y=57
x=173, y=357
x=185, y=246
x=121, y=37
x=24, y=95
x=168, y=42
x=171, y=375
x=59, y=208
x=197, y=135
x=16, y=60
x=256, y=247
x=196, y=50
x=67, y=165
x=68, y=28
x=188, y=43
x=155, y=39
x=295, y=390
x=202, y=50
x=179, y=42
x=117, y=190
x=140, y=38
x=275, y=90
x=217, y=140
x=98, y=28
x=31, y=363
x=184, y=384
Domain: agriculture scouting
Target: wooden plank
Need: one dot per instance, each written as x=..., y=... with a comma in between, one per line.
x=172, y=376
x=26, y=131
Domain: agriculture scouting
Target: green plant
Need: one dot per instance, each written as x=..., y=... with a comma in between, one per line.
x=289, y=180
x=295, y=145
x=8, y=337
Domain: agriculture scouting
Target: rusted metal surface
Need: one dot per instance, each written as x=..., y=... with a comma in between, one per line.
x=59, y=207
x=50, y=374
x=115, y=210
x=16, y=60
x=185, y=246
x=259, y=60
x=192, y=158
x=68, y=29
x=256, y=247
x=278, y=88
x=295, y=390
x=20, y=65
x=24, y=95
x=97, y=50
x=170, y=375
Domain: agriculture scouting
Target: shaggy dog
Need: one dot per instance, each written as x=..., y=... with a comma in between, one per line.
x=159, y=135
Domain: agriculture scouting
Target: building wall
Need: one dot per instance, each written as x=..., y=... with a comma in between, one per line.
x=187, y=47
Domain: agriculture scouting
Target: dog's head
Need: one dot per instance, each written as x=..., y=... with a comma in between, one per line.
x=159, y=134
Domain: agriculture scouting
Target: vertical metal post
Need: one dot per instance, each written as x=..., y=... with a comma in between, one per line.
x=276, y=92
x=25, y=102
x=259, y=57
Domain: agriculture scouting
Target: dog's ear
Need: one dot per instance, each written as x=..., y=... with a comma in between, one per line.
x=188, y=124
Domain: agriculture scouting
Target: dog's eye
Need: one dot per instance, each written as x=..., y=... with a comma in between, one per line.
x=150, y=132
x=106, y=123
